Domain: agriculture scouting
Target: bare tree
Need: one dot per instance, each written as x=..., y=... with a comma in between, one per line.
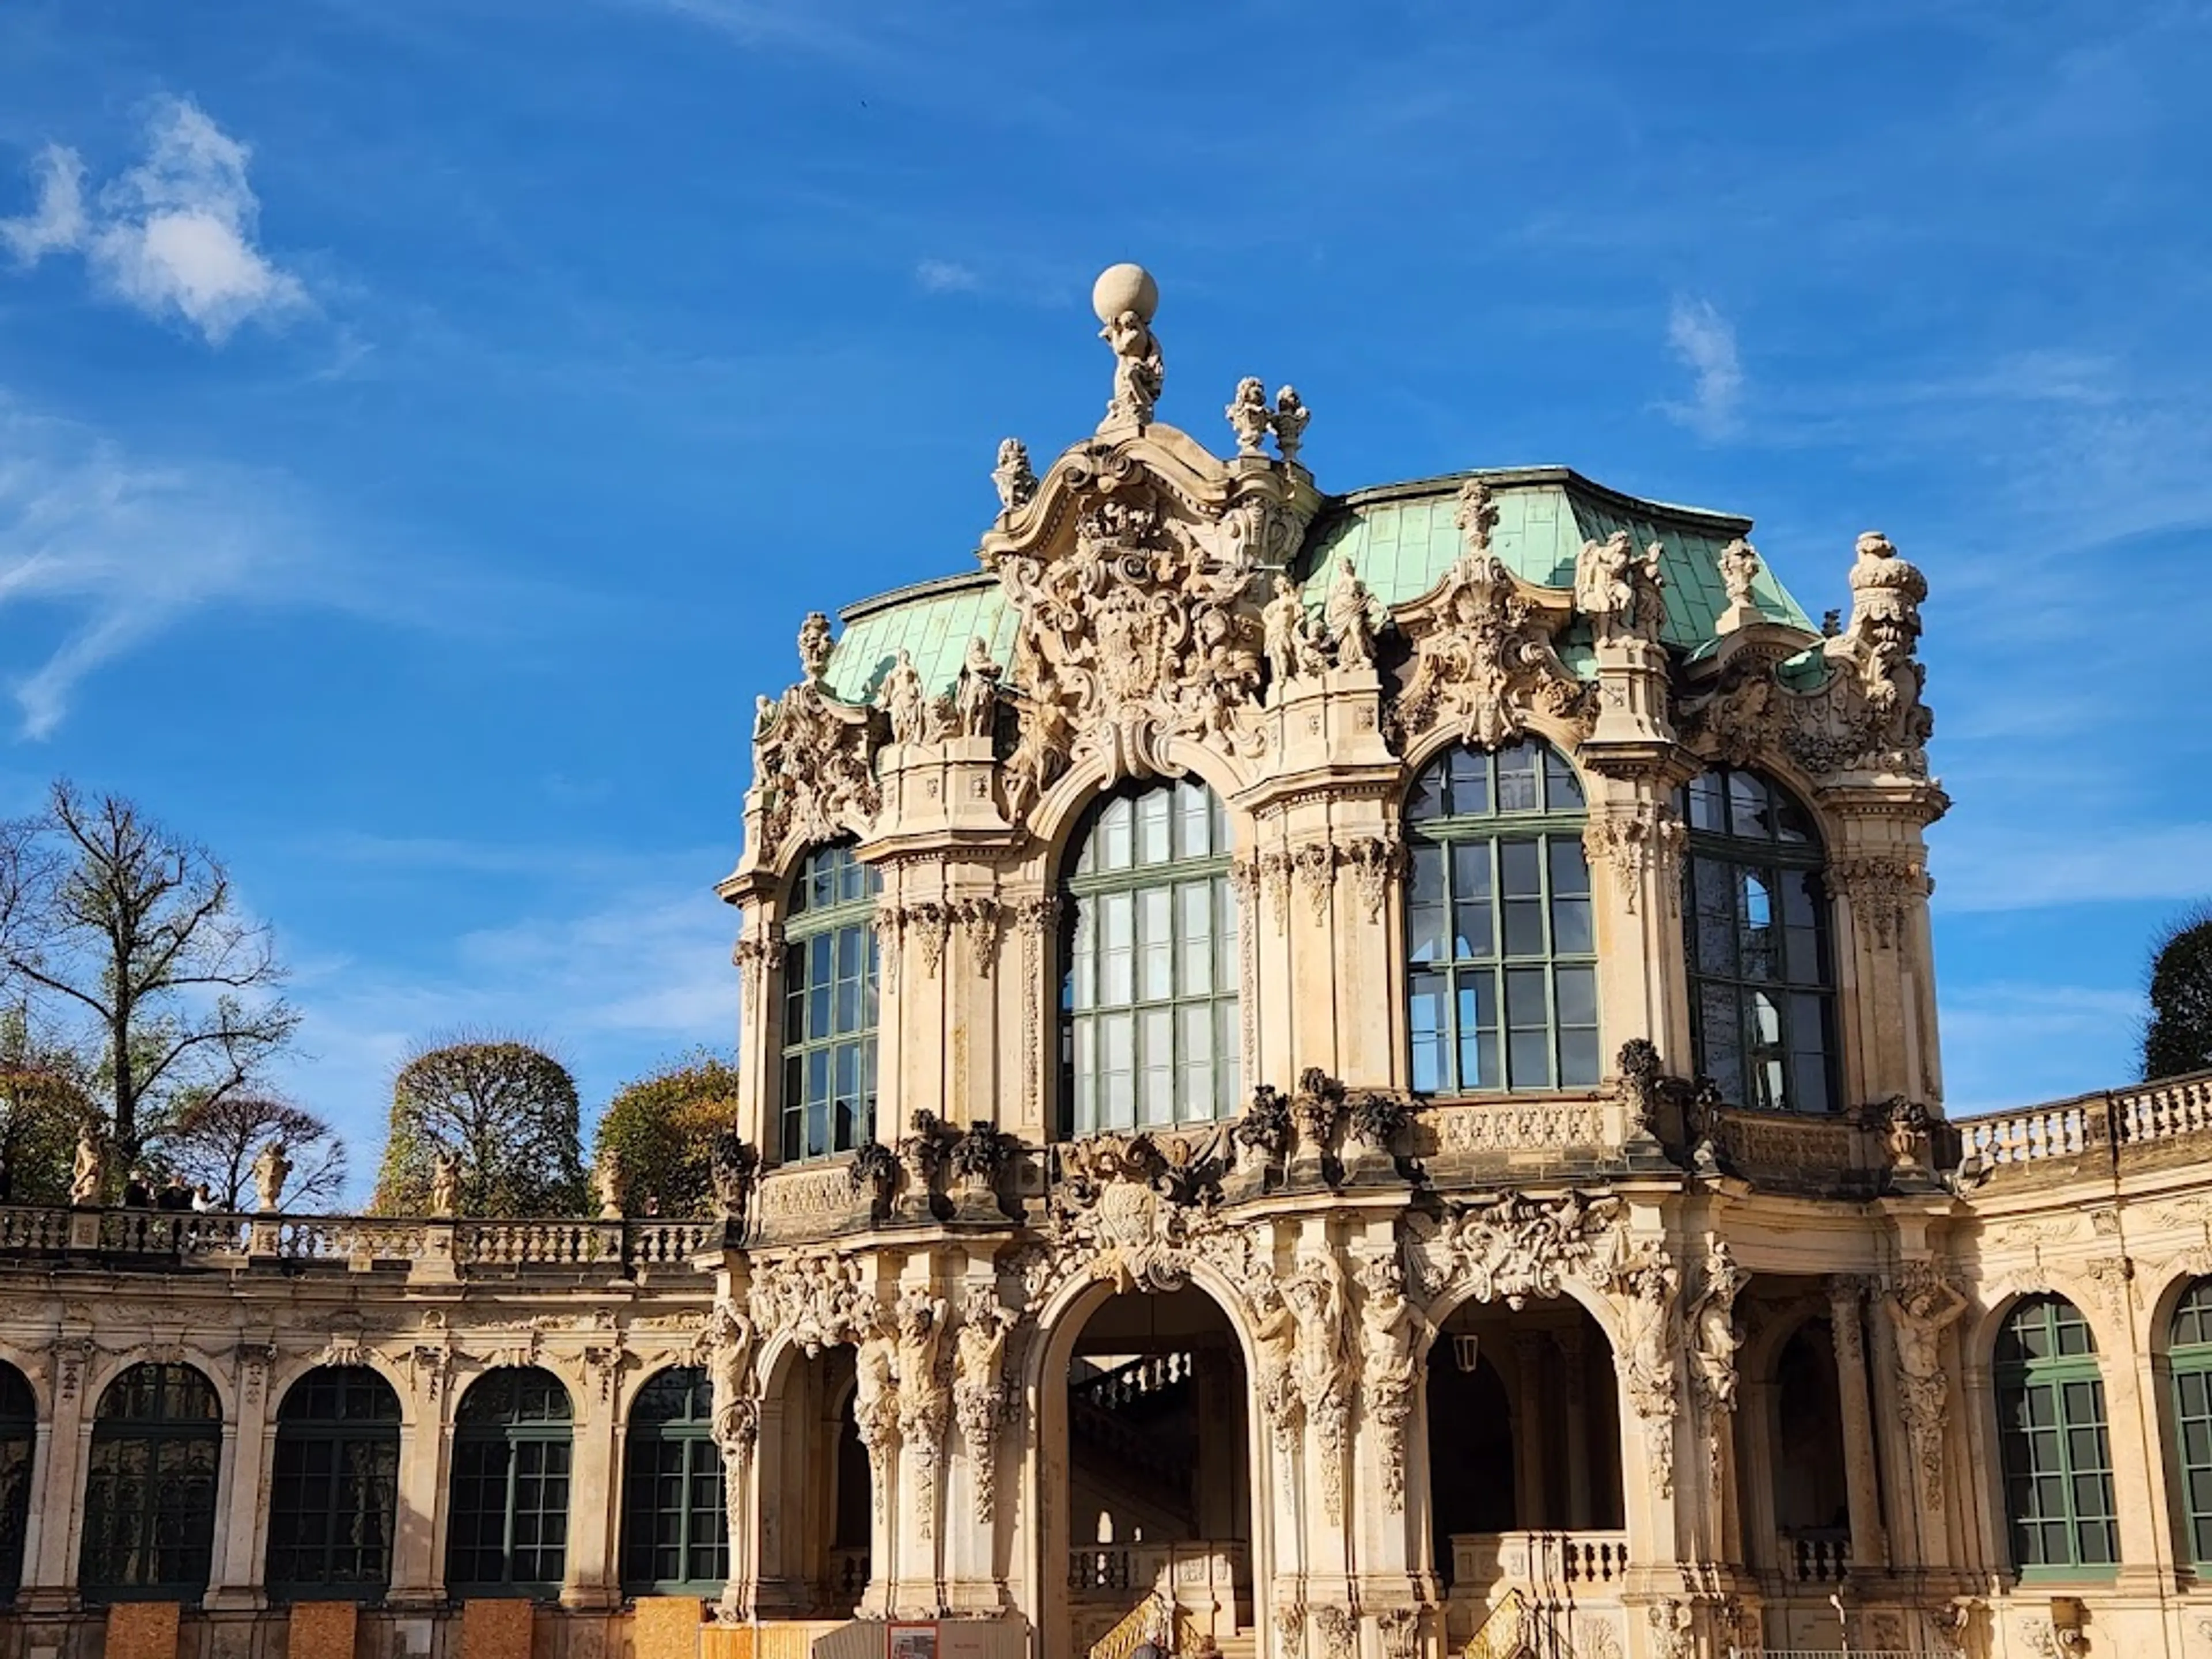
x=215, y=1140
x=109, y=920
x=506, y=1111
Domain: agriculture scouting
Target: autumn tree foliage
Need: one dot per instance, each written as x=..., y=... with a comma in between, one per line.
x=505, y=1110
x=661, y=1132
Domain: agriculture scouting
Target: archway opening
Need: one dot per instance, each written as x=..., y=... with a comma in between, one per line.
x=816, y=1491
x=1159, y=1494
x=1812, y=1499
x=1525, y=1456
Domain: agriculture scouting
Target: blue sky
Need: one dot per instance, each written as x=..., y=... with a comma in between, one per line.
x=423, y=422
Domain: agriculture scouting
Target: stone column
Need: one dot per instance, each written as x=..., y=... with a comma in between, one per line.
x=1869, y=1542
x=249, y=1438
x=51, y=1541
x=1758, y=1429
x=418, y=1563
x=1574, y=1393
x=592, y=1575
x=1528, y=1480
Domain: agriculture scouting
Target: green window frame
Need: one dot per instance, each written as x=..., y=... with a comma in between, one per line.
x=508, y=1514
x=334, y=1487
x=1758, y=932
x=150, y=1492
x=18, y=1435
x=2053, y=1443
x=1500, y=942
x=1149, y=998
x=829, y=1005
x=2189, y=1356
x=676, y=1529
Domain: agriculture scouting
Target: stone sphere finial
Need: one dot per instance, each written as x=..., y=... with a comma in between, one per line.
x=1124, y=288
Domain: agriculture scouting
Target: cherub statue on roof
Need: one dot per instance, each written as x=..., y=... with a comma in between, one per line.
x=1248, y=416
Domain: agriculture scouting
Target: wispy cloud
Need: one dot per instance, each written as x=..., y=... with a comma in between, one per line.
x=641, y=974
x=1704, y=342
x=2006, y=868
x=173, y=237
x=944, y=277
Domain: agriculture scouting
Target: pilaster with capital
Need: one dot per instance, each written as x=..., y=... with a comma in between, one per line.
x=235, y=1574
x=1862, y=1480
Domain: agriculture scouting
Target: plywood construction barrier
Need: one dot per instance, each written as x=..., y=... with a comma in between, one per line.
x=142, y=1630
x=323, y=1630
x=496, y=1630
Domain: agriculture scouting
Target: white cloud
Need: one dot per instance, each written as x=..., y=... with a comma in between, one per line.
x=123, y=547
x=173, y=237
x=57, y=224
x=1702, y=338
x=944, y=277
x=2003, y=868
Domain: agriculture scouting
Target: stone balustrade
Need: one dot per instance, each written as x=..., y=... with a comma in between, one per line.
x=355, y=1242
x=1590, y=1562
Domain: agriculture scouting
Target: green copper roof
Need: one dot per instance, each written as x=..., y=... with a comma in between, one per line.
x=933, y=621
x=1401, y=537
x=1403, y=540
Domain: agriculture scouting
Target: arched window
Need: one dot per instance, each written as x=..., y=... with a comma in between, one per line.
x=149, y=1497
x=2189, y=1352
x=19, y=1429
x=676, y=1538
x=1503, y=983
x=829, y=1005
x=2050, y=1431
x=1762, y=978
x=334, y=1490
x=1150, y=995
x=507, y=1524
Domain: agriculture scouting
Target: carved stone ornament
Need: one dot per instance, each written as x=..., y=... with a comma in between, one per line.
x=1289, y=422
x=979, y=1391
x=1393, y=1332
x=924, y=1397
x=1337, y=1630
x=1617, y=589
x=1135, y=1210
x=1483, y=658
x=1923, y=1304
x=1015, y=482
x=1714, y=1340
x=819, y=1299
x=1323, y=1363
x=1129, y=575
x=1511, y=1247
x=1125, y=298
x=1883, y=891
x=815, y=757
x=978, y=920
x=1865, y=715
x=733, y=1166
x=1375, y=861
x=1632, y=844
x=1399, y=1629
x=1250, y=416
x=1648, y=1286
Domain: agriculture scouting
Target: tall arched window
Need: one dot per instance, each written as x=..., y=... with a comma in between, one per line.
x=1503, y=982
x=1150, y=995
x=2050, y=1431
x=676, y=1538
x=19, y=1429
x=2189, y=1352
x=829, y=1005
x=149, y=1497
x=334, y=1488
x=507, y=1524
x=1762, y=978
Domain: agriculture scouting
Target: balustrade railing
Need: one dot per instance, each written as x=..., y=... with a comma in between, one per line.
x=350, y=1241
x=1540, y=1560
x=1196, y=1572
x=2167, y=1109
x=1816, y=1555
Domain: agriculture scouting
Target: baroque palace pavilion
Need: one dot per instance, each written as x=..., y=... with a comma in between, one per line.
x=1334, y=1076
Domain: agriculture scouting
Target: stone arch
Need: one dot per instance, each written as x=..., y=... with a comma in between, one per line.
x=1053, y=820
x=1563, y=735
x=287, y=1369
x=798, y=1470
x=2010, y=1290
x=36, y=1369
x=2160, y=1302
x=100, y=1373
x=1057, y=1321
